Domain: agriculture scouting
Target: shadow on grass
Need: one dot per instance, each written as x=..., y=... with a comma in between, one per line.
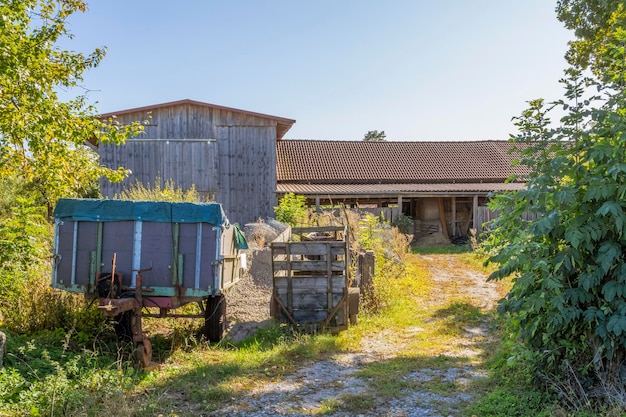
x=457, y=317
x=441, y=249
x=219, y=374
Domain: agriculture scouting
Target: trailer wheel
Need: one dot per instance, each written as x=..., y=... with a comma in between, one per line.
x=143, y=354
x=215, y=318
x=354, y=295
x=123, y=324
x=274, y=308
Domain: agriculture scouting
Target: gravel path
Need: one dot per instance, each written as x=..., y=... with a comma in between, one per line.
x=335, y=379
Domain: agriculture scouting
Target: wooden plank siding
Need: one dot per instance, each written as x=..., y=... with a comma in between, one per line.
x=226, y=154
x=187, y=162
x=247, y=165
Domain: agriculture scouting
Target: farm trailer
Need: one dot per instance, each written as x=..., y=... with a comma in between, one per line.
x=311, y=280
x=135, y=254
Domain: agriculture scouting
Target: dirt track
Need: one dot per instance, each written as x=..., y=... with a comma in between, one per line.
x=335, y=380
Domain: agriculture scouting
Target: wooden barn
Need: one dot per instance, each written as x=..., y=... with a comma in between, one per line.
x=228, y=154
x=442, y=186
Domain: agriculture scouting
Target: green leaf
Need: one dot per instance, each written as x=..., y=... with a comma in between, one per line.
x=608, y=254
x=573, y=236
x=610, y=290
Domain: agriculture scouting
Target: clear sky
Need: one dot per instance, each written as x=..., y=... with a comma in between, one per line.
x=417, y=69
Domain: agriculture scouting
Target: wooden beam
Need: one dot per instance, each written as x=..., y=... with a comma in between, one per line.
x=475, y=214
x=442, y=217
x=453, y=216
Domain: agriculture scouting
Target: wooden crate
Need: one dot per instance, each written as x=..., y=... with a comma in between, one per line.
x=310, y=278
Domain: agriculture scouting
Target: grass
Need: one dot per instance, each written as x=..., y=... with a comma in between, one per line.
x=94, y=377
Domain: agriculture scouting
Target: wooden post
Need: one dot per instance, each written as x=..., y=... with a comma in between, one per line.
x=475, y=214
x=367, y=275
x=317, y=204
x=399, y=207
x=442, y=217
x=453, y=216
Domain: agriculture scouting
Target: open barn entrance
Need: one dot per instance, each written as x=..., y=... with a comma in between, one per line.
x=453, y=216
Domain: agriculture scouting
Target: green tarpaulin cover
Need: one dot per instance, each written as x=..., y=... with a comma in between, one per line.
x=147, y=211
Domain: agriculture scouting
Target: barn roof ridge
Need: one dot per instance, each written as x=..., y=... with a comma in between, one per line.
x=454, y=141
x=197, y=103
x=283, y=123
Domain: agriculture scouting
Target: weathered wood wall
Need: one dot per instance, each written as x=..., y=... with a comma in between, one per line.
x=227, y=155
x=187, y=162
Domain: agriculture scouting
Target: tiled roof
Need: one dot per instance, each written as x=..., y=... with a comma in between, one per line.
x=352, y=162
x=378, y=189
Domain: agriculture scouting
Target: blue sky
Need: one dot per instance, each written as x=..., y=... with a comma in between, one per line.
x=419, y=70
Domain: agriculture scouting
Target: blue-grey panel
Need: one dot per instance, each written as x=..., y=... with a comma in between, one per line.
x=117, y=237
x=87, y=242
x=187, y=247
x=208, y=255
x=65, y=236
x=156, y=251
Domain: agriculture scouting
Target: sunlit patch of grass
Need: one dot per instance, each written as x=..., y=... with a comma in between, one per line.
x=351, y=403
x=328, y=406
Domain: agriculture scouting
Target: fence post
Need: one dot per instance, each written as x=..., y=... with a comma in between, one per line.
x=367, y=275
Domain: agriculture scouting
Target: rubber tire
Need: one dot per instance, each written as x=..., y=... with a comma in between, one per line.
x=274, y=308
x=123, y=324
x=215, y=318
x=143, y=354
x=354, y=296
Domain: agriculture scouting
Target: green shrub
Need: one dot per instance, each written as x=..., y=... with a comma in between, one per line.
x=169, y=191
x=292, y=210
x=44, y=377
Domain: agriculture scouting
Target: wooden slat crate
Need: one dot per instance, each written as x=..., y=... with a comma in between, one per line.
x=311, y=278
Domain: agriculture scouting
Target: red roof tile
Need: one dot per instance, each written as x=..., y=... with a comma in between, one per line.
x=378, y=189
x=351, y=162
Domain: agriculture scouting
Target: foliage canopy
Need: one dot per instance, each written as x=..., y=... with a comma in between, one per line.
x=568, y=302
x=374, y=136
x=43, y=140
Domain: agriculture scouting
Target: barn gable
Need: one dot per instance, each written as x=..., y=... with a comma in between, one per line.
x=228, y=154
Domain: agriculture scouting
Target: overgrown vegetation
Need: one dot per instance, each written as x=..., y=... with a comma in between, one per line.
x=169, y=191
x=292, y=210
x=79, y=368
x=43, y=155
x=42, y=139
x=567, y=306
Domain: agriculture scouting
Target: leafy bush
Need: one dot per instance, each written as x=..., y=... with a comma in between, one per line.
x=568, y=300
x=169, y=191
x=292, y=210
x=390, y=249
x=44, y=377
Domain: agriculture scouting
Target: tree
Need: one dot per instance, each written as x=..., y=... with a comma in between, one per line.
x=43, y=140
x=568, y=300
x=590, y=20
x=374, y=136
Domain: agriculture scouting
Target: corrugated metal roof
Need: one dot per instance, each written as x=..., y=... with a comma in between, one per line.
x=365, y=189
x=316, y=161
